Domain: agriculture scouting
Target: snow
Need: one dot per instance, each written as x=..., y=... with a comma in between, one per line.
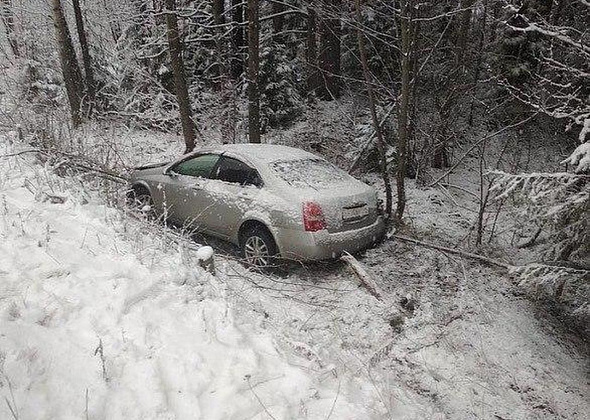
x=310, y=173
x=580, y=157
x=204, y=253
x=95, y=302
x=102, y=317
x=585, y=122
x=266, y=153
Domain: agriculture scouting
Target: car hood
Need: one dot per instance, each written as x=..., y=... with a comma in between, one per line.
x=151, y=166
x=146, y=170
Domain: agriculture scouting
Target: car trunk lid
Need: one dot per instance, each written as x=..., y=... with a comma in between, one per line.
x=349, y=207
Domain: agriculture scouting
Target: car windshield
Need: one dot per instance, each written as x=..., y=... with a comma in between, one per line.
x=309, y=173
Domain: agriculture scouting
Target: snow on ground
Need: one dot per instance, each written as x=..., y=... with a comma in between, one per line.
x=101, y=317
x=314, y=344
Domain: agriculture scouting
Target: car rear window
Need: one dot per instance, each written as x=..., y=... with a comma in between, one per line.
x=309, y=173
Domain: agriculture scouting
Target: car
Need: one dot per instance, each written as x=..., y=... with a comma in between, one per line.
x=272, y=201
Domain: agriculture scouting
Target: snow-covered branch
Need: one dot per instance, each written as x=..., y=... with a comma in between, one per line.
x=580, y=158
x=532, y=27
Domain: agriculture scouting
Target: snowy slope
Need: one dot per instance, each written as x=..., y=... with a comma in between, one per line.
x=102, y=318
x=101, y=310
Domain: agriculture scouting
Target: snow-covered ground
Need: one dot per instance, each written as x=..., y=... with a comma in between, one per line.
x=101, y=310
x=103, y=318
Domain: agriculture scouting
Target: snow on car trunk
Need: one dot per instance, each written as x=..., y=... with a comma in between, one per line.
x=351, y=207
x=345, y=202
x=103, y=318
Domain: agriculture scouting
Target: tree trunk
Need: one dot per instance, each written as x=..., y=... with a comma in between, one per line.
x=480, y=48
x=175, y=47
x=8, y=21
x=237, y=64
x=404, y=105
x=69, y=63
x=463, y=33
x=311, y=54
x=377, y=126
x=218, y=20
x=253, y=64
x=329, y=56
x=414, y=79
x=85, y=55
x=441, y=158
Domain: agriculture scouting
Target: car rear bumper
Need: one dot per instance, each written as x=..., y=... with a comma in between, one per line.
x=322, y=245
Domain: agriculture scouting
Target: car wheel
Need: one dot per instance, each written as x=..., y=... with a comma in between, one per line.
x=140, y=200
x=258, y=247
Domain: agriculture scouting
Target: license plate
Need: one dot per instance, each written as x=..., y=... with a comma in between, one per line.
x=355, y=212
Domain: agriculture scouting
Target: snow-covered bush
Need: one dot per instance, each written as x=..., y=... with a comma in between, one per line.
x=565, y=288
x=559, y=204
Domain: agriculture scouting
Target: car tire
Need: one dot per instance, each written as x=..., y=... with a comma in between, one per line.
x=258, y=247
x=140, y=201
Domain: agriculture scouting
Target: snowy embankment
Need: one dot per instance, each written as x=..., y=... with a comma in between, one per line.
x=103, y=318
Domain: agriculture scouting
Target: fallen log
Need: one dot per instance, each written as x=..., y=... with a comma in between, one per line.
x=456, y=252
x=362, y=274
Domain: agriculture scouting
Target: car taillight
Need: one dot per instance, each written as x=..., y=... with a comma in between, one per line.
x=313, y=217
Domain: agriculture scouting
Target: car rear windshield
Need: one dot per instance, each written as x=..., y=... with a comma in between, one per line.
x=309, y=173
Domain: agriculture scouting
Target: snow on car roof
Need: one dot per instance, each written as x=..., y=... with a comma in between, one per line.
x=266, y=153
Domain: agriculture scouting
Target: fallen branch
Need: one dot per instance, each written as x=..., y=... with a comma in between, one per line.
x=113, y=176
x=456, y=252
x=362, y=274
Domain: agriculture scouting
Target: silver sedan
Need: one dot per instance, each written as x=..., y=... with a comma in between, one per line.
x=270, y=200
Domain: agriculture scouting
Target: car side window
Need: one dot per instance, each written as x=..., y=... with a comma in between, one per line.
x=199, y=166
x=237, y=172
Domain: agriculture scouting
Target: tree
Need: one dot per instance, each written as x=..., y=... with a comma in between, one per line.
x=329, y=54
x=253, y=65
x=543, y=65
x=175, y=48
x=86, y=59
x=280, y=101
x=219, y=21
x=237, y=63
x=405, y=106
x=381, y=145
x=7, y=16
x=463, y=31
x=69, y=63
x=311, y=55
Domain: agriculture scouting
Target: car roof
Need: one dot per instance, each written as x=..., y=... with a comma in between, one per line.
x=263, y=153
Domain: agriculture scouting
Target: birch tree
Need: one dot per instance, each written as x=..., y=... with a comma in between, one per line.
x=69, y=63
